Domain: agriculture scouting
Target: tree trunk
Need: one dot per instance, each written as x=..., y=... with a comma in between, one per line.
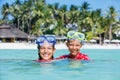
x=110, y=33
x=100, y=39
x=18, y=24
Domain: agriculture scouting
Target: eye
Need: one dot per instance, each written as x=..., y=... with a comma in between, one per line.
x=71, y=44
x=77, y=45
x=42, y=47
x=50, y=48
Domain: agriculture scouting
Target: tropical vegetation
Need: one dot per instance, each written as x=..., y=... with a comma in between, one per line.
x=36, y=17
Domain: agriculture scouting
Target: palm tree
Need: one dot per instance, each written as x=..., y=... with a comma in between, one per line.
x=42, y=17
x=59, y=30
x=98, y=23
x=111, y=20
x=72, y=18
x=16, y=12
x=74, y=13
x=59, y=18
x=5, y=11
x=85, y=20
x=36, y=18
x=84, y=9
x=27, y=14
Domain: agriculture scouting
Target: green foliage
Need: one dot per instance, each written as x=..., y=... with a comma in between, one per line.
x=35, y=17
x=1, y=21
x=89, y=36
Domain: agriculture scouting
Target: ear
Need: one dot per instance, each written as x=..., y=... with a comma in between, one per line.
x=54, y=50
x=67, y=44
x=80, y=45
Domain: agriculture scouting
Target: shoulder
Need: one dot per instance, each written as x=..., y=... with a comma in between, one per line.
x=83, y=56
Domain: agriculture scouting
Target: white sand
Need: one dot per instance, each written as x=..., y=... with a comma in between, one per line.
x=58, y=46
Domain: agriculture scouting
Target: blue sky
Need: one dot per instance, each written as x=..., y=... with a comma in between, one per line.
x=94, y=4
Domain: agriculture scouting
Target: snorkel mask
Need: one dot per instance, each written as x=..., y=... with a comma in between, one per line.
x=42, y=39
x=73, y=35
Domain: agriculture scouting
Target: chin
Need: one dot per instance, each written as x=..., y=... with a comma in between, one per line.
x=74, y=53
x=46, y=58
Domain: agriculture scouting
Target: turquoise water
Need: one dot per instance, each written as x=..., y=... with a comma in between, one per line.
x=19, y=65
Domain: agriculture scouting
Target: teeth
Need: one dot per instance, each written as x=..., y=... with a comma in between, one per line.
x=74, y=51
x=46, y=55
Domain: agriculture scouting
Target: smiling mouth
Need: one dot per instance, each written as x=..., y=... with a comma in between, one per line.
x=74, y=51
x=46, y=55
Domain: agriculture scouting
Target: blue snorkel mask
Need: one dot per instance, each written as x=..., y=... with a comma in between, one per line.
x=41, y=39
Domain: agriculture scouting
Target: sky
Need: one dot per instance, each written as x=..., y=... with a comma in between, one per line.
x=94, y=4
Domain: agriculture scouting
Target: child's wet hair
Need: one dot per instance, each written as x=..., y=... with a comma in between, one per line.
x=81, y=42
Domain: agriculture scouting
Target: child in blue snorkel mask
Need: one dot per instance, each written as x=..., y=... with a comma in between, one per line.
x=46, y=48
x=74, y=44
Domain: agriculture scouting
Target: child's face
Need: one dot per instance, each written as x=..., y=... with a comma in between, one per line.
x=46, y=51
x=74, y=47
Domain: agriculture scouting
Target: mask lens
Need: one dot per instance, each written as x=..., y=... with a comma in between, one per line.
x=40, y=39
x=71, y=34
x=50, y=39
x=81, y=36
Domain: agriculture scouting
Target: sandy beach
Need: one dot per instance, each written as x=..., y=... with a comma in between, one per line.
x=58, y=46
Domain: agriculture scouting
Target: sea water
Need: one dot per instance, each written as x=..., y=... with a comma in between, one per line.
x=20, y=65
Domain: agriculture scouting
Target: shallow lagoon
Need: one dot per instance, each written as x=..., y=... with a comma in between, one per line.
x=20, y=65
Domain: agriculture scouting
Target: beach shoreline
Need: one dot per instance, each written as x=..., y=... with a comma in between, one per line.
x=57, y=46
